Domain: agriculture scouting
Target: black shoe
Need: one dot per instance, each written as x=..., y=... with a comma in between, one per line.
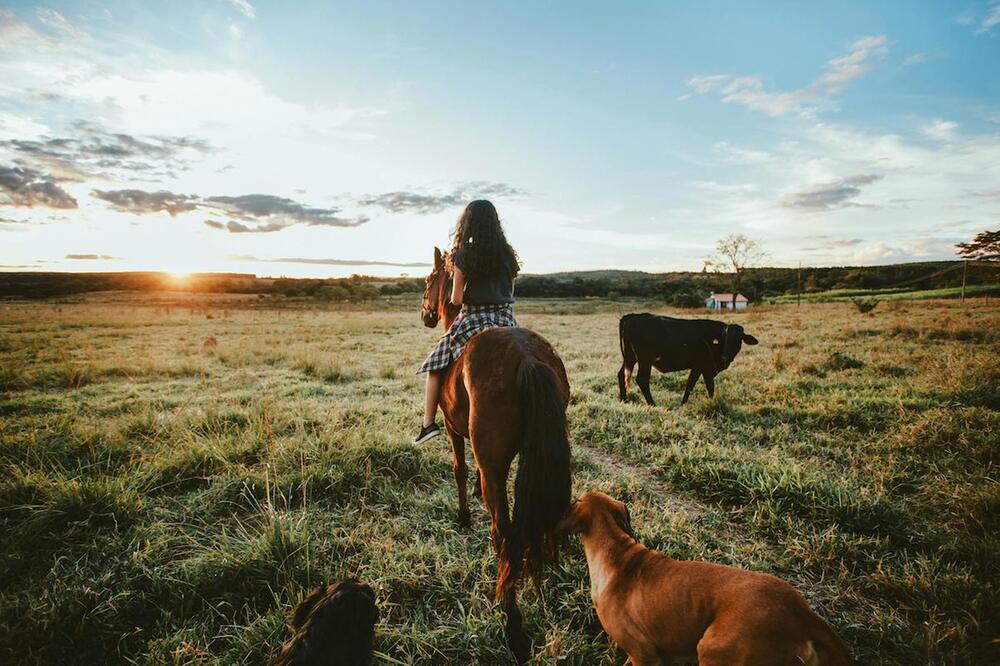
x=430, y=432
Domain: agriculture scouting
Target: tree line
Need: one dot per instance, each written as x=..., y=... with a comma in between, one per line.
x=681, y=289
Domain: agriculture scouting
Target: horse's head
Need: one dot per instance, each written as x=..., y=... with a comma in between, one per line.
x=437, y=293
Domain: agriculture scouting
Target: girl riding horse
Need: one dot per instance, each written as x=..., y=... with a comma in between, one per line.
x=505, y=389
x=484, y=266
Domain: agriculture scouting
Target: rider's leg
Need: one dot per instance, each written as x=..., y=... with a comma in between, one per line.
x=431, y=396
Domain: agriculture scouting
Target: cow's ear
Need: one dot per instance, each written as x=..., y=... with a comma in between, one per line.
x=749, y=339
x=438, y=259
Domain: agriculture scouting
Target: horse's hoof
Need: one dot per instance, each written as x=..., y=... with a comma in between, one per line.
x=465, y=519
x=521, y=647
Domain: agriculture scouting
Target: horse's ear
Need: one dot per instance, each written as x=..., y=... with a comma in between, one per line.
x=438, y=259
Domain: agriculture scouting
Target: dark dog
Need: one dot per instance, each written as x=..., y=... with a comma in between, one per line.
x=333, y=626
x=665, y=611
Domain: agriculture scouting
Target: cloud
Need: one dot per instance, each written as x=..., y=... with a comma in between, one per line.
x=827, y=243
x=91, y=151
x=91, y=257
x=991, y=20
x=266, y=211
x=142, y=202
x=248, y=213
x=245, y=7
x=403, y=202
x=24, y=187
x=739, y=155
x=918, y=58
x=749, y=91
x=829, y=196
x=988, y=193
x=941, y=130
x=57, y=22
x=727, y=188
x=332, y=262
x=420, y=203
x=983, y=23
x=234, y=227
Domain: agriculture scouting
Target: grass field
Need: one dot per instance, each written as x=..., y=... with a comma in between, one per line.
x=164, y=504
x=896, y=294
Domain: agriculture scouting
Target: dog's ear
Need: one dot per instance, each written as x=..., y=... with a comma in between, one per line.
x=749, y=339
x=438, y=259
x=624, y=520
x=571, y=522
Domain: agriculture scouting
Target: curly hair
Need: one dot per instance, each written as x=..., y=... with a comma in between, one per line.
x=479, y=235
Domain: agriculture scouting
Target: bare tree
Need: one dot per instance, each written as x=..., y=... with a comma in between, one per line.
x=735, y=254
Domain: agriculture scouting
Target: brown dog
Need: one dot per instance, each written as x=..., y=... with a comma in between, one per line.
x=333, y=626
x=664, y=611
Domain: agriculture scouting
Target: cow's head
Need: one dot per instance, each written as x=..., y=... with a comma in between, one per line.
x=732, y=342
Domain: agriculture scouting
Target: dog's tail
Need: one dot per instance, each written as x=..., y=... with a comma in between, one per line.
x=542, y=486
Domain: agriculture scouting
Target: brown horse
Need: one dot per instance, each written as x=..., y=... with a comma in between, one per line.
x=507, y=393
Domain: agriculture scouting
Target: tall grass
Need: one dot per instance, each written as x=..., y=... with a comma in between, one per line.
x=162, y=505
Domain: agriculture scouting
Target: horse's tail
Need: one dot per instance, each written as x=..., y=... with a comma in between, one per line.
x=542, y=487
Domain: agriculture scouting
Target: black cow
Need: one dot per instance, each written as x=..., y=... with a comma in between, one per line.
x=703, y=346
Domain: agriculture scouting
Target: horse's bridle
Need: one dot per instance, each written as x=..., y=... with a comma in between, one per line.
x=434, y=315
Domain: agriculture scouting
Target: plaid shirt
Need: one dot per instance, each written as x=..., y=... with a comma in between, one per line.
x=471, y=320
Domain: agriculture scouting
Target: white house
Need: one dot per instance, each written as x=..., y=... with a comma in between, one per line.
x=725, y=301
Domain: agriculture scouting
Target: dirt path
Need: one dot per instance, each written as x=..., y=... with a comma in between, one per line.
x=669, y=499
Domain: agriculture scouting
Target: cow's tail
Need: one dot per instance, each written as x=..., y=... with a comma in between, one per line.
x=627, y=362
x=542, y=486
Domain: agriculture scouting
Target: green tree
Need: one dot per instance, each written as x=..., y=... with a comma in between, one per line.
x=984, y=247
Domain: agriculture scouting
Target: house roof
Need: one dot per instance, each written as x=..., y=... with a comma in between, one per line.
x=729, y=297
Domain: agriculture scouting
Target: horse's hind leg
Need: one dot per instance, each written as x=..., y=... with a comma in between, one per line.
x=461, y=472
x=477, y=486
x=495, y=497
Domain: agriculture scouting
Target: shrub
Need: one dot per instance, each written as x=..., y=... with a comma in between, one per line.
x=864, y=305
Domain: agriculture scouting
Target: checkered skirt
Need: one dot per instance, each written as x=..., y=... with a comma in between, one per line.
x=471, y=320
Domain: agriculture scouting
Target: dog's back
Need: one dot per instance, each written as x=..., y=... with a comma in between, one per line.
x=333, y=626
x=656, y=608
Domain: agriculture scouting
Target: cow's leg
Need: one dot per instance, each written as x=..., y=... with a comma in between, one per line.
x=642, y=379
x=710, y=384
x=625, y=374
x=692, y=380
x=461, y=472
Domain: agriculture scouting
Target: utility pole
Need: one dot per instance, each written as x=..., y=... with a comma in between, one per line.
x=798, y=287
x=965, y=269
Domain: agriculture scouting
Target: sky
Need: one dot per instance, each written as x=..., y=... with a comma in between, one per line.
x=331, y=138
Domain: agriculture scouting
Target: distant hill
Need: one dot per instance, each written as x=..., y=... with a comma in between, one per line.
x=680, y=288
